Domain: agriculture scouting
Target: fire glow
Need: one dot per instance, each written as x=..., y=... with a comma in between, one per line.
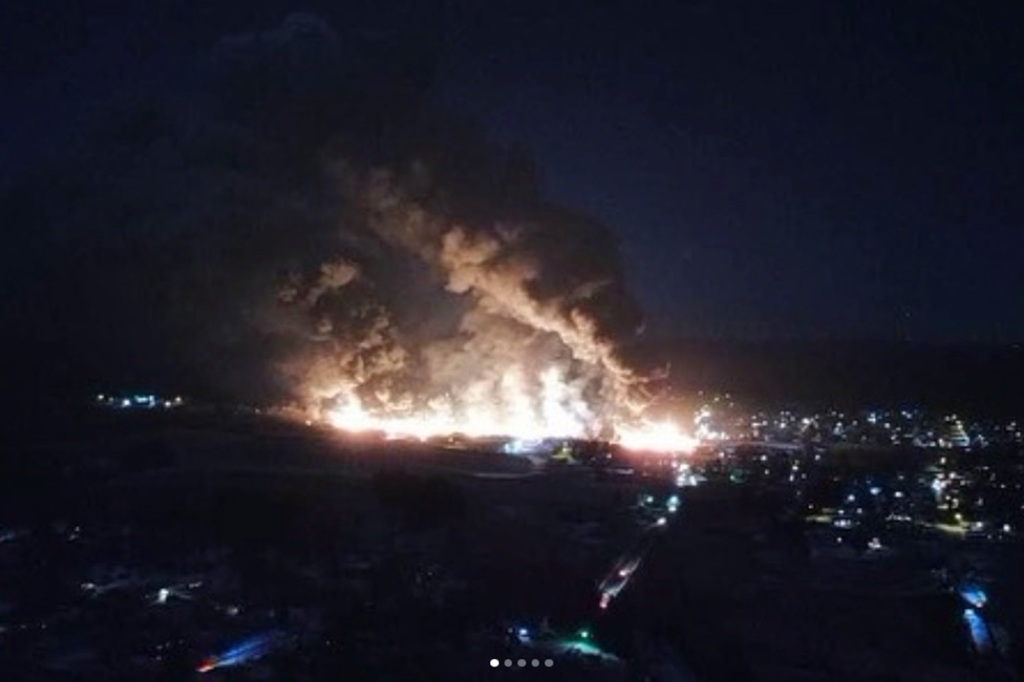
x=553, y=412
x=656, y=437
x=431, y=305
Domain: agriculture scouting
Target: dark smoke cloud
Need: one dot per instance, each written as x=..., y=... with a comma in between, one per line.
x=309, y=220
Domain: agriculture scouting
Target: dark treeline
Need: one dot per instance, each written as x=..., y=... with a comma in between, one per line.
x=985, y=380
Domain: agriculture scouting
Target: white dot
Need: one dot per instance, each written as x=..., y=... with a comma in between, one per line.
x=548, y=663
x=535, y=663
x=495, y=663
x=522, y=663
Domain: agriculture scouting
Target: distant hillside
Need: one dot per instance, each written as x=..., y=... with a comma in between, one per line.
x=986, y=379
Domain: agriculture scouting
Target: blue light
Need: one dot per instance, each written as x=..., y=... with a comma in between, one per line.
x=978, y=629
x=523, y=446
x=974, y=595
x=246, y=650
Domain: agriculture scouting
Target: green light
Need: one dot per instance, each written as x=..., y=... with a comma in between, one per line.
x=585, y=634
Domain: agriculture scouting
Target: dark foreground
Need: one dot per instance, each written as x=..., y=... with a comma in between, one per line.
x=237, y=548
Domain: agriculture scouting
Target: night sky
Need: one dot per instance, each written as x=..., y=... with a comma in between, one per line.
x=773, y=170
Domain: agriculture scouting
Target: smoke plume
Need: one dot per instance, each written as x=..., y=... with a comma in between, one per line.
x=309, y=224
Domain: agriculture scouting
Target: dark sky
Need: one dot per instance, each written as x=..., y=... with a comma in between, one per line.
x=774, y=169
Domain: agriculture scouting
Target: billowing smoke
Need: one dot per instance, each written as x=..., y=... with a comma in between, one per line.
x=531, y=303
x=312, y=218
